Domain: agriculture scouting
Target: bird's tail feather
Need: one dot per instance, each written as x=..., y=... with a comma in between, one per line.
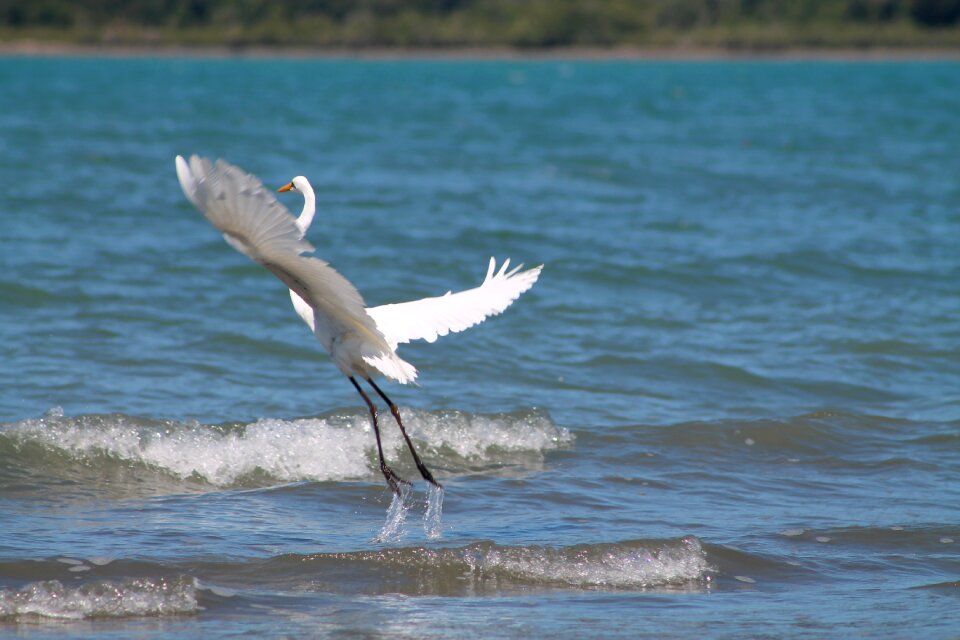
x=392, y=366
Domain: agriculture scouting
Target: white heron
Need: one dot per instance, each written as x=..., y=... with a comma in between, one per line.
x=361, y=340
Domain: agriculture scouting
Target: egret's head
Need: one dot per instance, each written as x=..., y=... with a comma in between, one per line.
x=297, y=184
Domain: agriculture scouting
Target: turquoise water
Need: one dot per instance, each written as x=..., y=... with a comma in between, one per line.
x=729, y=407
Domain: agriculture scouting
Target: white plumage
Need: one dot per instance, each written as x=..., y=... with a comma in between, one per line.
x=361, y=341
x=430, y=318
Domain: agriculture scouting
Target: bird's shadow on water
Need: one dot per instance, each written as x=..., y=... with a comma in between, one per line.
x=394, y=528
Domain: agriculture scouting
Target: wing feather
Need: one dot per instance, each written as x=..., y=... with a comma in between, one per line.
x=430, y=318
x=254, y=223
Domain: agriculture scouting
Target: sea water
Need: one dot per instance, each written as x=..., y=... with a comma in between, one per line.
x=729, y=408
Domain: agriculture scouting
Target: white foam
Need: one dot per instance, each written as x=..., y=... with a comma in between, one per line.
x=142, y=597
x=477, y=436
x=329, y=448
x=100, y=561
x=613, y=566
x=286, y=450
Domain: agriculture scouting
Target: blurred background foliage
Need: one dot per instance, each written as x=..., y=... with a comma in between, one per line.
x=733, y=24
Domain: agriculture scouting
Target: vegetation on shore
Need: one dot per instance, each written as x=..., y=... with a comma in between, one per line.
x=731, y=24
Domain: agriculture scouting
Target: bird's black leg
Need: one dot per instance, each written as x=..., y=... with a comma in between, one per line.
x=392, y=478
x=396, y=414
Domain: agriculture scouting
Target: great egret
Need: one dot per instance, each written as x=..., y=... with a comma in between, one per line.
x=361, y=340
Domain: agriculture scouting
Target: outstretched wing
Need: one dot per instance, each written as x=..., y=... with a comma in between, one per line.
x=255, y=224
x=237, y=203
x=431, y=318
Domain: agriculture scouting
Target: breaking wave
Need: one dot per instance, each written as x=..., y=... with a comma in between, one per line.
x=633, y=564
x=328, y=448
x=137, y=597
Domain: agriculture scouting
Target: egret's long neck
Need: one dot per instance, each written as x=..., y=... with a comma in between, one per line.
x=309, y=209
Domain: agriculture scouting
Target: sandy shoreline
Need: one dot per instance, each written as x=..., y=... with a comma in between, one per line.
x=53, y=49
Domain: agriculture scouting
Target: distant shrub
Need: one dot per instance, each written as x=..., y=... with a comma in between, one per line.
x=519, y=23
x=936, y=13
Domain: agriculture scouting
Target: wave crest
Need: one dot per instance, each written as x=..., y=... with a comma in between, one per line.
x=335, y=447
x=139, y=597
x=612, y=566
x=634, y=564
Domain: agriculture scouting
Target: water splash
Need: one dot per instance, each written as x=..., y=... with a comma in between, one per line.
x=432, y=525
x=393, y=529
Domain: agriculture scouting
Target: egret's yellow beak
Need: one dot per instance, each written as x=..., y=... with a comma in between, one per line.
x=286, y=187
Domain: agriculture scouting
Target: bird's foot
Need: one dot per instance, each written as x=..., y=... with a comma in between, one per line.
x=393, y=480
x=427, y=475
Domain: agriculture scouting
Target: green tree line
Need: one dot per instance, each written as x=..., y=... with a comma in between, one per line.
x=479, y=23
